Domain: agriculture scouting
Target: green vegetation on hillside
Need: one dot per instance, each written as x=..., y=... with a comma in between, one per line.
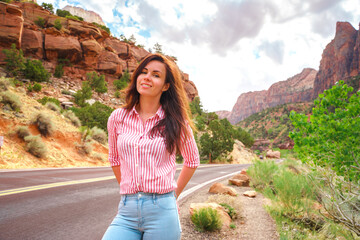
x=216, y=137
x=274, y=123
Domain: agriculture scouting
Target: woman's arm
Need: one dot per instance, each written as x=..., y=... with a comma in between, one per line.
x=116, y=170
x=184, y=177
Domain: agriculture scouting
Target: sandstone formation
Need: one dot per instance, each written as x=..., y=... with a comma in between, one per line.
x=88, y=16
x=251, y=194
x=272, y=154
x=295, y=89
x=240, y=154
x=240, y=180
x=219, y=188
x=340, y=59
x=224, y=216
x=87, y=47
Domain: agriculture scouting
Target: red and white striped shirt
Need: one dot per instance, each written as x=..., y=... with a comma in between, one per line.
x=145, y=164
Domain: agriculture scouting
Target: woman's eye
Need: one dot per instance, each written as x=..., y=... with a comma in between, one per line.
x=156, y=75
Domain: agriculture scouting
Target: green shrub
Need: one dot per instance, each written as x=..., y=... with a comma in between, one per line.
x=102, y=27
x=12, y=100
x=30, y=87
x=22, y=132
x=44, y=124
x=14, y=60
x=77, y=18
x=230, y=210
x=66, y=92
x=97, y=82
x=117, y=94
x=35, y=146
x=45, y=100
x=94, y=115
x=52, y=106
x=206, y=219
x=6, y=1
x=4, y=84
x=123, y=81
x=57, y=24
x=40, y=22
x=262, y=173
x=293, y=191
x=72, y=117
x=59, y=71
x=37, y=87
x=35, y=71
x=98, y=135
x=62, y=13
x=84, y=148
x=48, y=6
x=83, y=94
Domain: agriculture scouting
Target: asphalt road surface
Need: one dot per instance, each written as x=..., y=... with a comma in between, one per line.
x=72, y=203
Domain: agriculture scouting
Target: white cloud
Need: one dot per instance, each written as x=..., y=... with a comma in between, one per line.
x=229, y=47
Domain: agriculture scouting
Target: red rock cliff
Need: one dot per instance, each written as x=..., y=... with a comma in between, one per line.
x=340, y=59
x=298, y=88
x=87, y=47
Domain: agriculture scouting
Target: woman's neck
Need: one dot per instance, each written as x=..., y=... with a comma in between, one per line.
x=147, y=109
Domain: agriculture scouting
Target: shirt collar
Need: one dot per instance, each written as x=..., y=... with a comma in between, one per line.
x=160, y=112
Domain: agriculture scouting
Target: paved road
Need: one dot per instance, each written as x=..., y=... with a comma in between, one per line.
x=74, y=208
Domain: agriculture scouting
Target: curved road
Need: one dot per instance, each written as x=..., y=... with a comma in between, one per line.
x=72, y=203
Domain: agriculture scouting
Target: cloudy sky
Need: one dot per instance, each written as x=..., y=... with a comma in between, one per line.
x=229, y=47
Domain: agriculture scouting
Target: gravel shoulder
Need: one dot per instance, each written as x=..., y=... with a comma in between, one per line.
x=253, y=221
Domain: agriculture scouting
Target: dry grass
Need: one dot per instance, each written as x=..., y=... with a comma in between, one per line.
x=60, y=145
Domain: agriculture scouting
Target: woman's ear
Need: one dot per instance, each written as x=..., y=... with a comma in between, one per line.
x=166, y=87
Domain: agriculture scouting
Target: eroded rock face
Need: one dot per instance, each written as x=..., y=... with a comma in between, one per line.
x=87, y=47
x=11, y=25
x=298, y=88
x=340, y=59
x=88, y=16
x=273, y=154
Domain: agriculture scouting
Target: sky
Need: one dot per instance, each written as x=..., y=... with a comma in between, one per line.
x=229, y=47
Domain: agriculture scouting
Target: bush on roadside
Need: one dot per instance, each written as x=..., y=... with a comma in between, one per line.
x=98, y=135
x=44, y=124
x=262, y=173
x=12, y=100
x=22, y=132
x=206, y=219
x=230, y=210
x=35, y=146
x=72, y=117
x=52, y=106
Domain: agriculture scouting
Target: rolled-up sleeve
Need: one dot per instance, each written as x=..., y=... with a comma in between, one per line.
x=189, y=150
x=112, y=124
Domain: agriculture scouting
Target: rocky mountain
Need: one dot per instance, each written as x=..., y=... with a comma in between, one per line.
x=88, y=16
x=340, y=61
x=86, y=47
x=298, y=88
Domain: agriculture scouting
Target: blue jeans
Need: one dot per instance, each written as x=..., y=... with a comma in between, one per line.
x=147, y=216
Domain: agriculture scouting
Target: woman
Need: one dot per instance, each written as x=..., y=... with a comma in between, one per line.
x=144, y=137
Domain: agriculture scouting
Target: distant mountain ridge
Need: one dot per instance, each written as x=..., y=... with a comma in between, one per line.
x=298, y=88
x=340, y=61
x=88, y=16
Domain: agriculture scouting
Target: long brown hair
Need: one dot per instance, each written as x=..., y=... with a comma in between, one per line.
x=173, y=101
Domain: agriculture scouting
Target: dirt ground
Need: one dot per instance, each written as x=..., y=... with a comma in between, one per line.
x=253, y=222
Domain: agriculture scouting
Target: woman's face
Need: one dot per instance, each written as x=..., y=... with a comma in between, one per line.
x=151, y=81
